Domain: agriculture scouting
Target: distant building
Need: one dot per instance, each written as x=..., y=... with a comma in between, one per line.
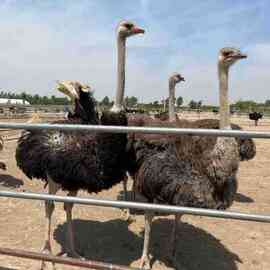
x=14, y=101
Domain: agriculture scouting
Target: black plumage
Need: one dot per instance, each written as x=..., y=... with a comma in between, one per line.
x=73, y=160
x=76, y=160
x=256, y=116
x=186, y=175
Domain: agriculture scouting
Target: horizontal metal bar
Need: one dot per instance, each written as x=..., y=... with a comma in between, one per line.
x=135, y=205
x=124, y=129
x=61, y=260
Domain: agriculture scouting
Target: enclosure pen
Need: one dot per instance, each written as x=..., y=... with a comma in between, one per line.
x=123, y=204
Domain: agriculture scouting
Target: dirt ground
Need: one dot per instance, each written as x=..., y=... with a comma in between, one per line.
x=103, y=235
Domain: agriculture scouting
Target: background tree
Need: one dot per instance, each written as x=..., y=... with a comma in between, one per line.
x=179, y=101
x=131, y=101
x=105, y=101
x=192, y=105
x=267, y=102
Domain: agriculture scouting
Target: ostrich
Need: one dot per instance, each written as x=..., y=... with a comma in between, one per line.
x=193, y=172
x=78, y=160
x=256, y=116
x=170, y=116
x=173, y=80
x=3, y=165
x=146, y=120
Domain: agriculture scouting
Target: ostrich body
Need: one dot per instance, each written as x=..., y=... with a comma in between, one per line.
x=141, y=120
x=246, y=147
x=73, y=160
x=256, y=116
x=193, y=171
x=77, y=160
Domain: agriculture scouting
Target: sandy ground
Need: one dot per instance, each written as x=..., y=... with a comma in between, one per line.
x=102, y=234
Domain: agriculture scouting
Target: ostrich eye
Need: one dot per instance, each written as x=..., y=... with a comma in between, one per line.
x=128, y=26
x=226, y=54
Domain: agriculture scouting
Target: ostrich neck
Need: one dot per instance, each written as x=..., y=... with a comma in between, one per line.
x=85, y=109
x=121, y=61
x=224, y=98
x=171, y=101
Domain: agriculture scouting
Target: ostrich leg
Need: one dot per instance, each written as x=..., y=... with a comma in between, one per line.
x=70, y=230
x=49, y=208
x=125, y=180
x=126, y=212
x=145, y=259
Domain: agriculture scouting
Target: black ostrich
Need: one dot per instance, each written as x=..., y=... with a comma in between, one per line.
x=74, y=160
x=3, y=165
x=256, y=116
x=192, y=171
x=78, y=160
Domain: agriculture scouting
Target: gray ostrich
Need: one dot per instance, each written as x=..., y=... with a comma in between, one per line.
x=146, y=120
x=194, y=172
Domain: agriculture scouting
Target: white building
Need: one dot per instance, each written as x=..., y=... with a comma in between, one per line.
x=7, y=101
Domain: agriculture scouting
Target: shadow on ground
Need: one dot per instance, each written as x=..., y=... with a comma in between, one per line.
x=109, y=241
x=113, y=242
x=196, y=248
x=243, y=198
x=10, y=181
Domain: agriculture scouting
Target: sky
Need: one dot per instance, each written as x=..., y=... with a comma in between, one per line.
x=44, y=41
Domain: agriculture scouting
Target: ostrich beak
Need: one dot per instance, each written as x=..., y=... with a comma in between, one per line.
x=86, y=88
x=137, y=30
x=67, y=89
x=240, y=56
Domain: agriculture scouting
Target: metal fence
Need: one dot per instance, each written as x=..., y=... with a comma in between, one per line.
x=123, y=204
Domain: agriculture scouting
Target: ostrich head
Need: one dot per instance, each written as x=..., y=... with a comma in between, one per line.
x=127, y=28
x=177, y=78
x=72, y=89
x=229, y=55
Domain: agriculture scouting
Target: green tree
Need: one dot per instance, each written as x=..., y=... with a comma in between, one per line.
x=247, y=105
x=131, y=101
x=105, y=101
x=192, y=105
x=179, y=101
x=267, y=102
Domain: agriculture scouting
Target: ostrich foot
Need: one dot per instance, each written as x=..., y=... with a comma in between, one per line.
x=3, y=165
x=145, y=262
x=47, y=265
x=72, y=254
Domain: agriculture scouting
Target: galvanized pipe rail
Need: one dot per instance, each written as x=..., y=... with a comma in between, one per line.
x=122, y=204
x=153, y=130
x=61, y=260
x=169, y=209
